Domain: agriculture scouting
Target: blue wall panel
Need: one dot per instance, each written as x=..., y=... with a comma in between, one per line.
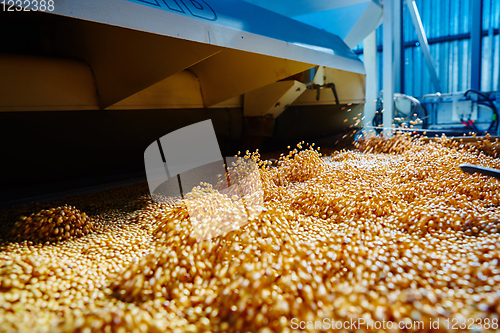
x=447, y=24
x=490, y=76
x=446, y=18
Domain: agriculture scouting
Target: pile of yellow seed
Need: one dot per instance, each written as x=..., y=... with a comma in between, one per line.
x=53, y=224
x=392, y=231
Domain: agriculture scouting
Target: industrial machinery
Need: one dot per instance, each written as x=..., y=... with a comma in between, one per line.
x=408, y=113
x=94, y=82
x=454, y=114
x=461, y=113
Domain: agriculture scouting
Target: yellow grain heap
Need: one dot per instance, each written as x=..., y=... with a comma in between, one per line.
x=51, y=225
x=393, y=231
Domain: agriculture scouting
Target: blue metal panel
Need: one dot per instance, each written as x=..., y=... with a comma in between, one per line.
x=476, y=31
x=344, y=18
x=440, y=19
x=444, y=21
x=490, y=57
x=496, y=69
x=447, y=24
x=380, y=62
x=451, y=18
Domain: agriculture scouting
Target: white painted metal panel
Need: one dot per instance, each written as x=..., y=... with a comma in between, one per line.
x=233, y=24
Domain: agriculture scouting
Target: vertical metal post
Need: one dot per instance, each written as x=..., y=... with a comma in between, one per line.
x=388, y=66
x=491, y=36
x=476, y=45
x=398, y=45
x=422, y=38
x=371, y=83
x=403, y=49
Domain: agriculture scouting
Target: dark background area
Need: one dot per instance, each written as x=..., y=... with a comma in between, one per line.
x=46, y=152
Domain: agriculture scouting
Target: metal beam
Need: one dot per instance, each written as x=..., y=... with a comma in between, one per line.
x=368, y=21
x=388, y=66
x=491, y=35
x=371, y=68
x=402, y=49
x=417, y=22
x=476, y=45
x=436, y=40
x=398, y=45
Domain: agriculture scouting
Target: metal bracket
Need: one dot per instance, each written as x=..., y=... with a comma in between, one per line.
x=327, y=85
x=422, y=38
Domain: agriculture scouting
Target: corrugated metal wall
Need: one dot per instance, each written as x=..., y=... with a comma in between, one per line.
x=447, y=24
x=440, y=19
x=490, y=72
